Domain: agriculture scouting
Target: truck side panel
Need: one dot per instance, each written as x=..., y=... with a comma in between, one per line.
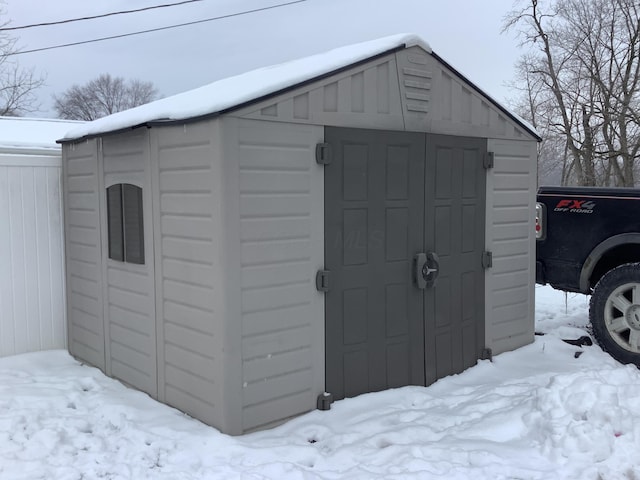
x=577, y=220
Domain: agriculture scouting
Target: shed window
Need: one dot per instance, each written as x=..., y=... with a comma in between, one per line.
x=125, y=223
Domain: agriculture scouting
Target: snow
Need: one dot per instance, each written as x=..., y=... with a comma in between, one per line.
x=535, y=413
x=33, y=133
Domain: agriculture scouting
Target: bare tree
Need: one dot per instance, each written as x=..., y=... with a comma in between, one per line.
x=17, y=84
x=103, y=96
x=533, y=103
x=584, y=83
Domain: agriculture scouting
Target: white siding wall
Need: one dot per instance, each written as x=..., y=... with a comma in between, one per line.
x=511, y=195
x=281, y=248
x=32, y=315
x=83, y=252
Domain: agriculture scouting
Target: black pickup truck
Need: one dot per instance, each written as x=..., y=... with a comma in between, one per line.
x=588, y=241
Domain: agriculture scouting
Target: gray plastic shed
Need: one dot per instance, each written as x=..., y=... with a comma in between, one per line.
x=345, y=223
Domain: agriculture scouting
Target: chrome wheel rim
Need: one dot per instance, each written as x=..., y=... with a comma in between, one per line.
x=622, y=316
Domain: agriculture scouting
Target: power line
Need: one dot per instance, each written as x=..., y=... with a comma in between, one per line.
x=102, y=39
x=80, y=19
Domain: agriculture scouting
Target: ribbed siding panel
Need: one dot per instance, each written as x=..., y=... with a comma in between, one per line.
x=32, y=313
x=366, y=96
x=129, y=291
x=83, y=253
x=510, y=236
x=279, y=255
x=189, y=268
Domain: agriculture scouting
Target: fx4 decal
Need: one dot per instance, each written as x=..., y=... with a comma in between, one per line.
x=575, y=206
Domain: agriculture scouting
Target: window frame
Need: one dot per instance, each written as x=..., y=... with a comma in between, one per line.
x=125, y=223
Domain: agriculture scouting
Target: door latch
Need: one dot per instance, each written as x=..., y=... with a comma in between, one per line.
x=431, y=269
x=426, y=269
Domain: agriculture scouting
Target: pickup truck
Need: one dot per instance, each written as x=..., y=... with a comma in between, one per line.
x=588, y=241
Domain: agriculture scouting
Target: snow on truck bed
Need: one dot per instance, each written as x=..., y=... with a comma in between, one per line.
x=535, y=413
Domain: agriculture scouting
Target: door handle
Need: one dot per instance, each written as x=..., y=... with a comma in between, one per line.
x=426, y=268
x=431, y=269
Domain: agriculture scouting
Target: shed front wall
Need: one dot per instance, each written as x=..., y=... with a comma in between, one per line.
x=412, y=90
x=32, y=315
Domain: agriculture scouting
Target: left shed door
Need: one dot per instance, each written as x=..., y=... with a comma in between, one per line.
x=130, y=319
x=374, y=221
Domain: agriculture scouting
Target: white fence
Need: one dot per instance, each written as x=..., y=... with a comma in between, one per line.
x=32, y=290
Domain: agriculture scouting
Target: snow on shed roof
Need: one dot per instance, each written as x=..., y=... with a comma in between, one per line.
x=231, y=92
x=33, y=133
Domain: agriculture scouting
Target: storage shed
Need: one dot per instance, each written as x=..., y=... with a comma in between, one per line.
x=32, y=311
x=345, y=223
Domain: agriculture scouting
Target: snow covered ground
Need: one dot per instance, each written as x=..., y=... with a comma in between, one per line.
x=537, y=413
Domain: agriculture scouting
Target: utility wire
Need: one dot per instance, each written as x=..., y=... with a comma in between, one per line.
x=102, y=39
x=71, y=20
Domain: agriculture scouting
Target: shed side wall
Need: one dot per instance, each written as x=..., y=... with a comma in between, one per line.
x=190, y=302
x=281, y=249
x=83, y=252
x=511, y=196
x=32, y=306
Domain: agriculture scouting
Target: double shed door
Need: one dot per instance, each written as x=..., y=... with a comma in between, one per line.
x=389, y=197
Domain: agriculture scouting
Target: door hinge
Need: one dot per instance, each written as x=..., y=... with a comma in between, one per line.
x=322, y=281
x=486, y=354
x=323, y=153
x=488, y=160
x=487, y=260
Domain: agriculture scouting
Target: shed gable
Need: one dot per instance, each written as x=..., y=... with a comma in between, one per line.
x=364, y=94
x=409, y=89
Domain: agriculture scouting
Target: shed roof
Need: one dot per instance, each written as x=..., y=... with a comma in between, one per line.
x=19, y=133
x=232, y=92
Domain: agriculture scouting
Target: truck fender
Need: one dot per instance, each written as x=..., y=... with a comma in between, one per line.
x=597, y=253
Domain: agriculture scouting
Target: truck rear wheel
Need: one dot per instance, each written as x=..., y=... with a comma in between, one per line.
x=614, y=312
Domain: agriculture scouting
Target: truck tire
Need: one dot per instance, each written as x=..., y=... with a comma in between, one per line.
x=614, y=311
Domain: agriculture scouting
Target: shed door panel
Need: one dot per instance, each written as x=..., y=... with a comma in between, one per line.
x=374, y=203
x=454, y=230
x=389, y=196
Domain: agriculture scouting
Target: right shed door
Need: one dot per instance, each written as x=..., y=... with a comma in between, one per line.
x=440, y=328
x=455, y=186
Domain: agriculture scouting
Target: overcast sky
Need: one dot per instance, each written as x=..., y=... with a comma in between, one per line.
x=466, y=33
